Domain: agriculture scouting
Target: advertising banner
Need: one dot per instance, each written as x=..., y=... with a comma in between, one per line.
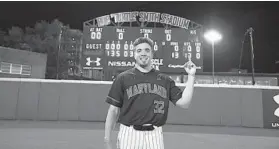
x=270, y=100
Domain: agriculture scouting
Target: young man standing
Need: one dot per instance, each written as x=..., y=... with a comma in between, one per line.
x=140, y=97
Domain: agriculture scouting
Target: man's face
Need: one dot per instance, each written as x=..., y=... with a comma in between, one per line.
x=143, y=55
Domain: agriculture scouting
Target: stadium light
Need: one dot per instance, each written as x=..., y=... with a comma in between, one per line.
x=212, y=36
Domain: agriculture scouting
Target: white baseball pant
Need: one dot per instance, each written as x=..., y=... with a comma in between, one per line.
x=129, y=138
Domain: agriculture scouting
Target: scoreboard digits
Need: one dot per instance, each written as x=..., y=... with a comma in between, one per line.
x=114, y=50
x=175, y=53
x=187, y=50
x=96, y=33
x=120, y=36
x=168, y=35
x=198, y=50
x=155, y=46
x=172, y=46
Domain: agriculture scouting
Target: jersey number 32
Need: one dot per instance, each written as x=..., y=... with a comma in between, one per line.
x=159, y=107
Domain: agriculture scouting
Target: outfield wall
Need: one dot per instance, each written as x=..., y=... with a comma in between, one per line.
x=220, y=105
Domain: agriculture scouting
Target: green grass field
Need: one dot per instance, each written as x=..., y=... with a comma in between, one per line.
x=89, y=135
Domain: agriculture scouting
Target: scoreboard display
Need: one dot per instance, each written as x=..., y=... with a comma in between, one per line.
x=111, y=47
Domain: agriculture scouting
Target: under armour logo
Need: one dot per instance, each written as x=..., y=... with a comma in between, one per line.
x=89, y=61
x=276, y=99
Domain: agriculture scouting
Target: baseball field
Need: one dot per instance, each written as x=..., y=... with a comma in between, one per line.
x=89, y=135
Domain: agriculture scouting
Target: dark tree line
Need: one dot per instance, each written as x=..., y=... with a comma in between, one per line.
x=44, y=37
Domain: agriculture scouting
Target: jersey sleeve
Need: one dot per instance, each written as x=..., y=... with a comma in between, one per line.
x=175, y=92
x=116, y=93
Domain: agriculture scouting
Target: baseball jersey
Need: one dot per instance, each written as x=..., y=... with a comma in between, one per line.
x=143, y=98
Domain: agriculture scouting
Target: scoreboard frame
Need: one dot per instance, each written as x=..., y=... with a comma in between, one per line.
x=135, y=19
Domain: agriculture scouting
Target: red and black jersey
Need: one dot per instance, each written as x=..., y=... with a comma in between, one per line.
x=143, y=98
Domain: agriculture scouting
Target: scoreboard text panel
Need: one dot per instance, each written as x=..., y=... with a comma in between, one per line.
x=113, y=45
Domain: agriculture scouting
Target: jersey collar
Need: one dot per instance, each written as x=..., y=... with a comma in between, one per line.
x=140, y=72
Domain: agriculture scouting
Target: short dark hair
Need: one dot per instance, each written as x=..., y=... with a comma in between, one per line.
x=143, y=40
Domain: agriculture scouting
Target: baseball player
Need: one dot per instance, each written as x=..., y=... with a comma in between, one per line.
x=139, y=100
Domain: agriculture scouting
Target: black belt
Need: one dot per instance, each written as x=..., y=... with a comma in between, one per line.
x=142, y=127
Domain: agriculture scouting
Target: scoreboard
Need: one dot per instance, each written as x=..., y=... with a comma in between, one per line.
x=111, y=47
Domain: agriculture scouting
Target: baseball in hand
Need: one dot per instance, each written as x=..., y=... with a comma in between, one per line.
x=190, y=67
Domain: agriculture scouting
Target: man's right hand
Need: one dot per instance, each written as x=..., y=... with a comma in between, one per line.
x=108, y=144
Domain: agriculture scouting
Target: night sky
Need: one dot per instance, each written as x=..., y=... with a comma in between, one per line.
x=232, y=19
